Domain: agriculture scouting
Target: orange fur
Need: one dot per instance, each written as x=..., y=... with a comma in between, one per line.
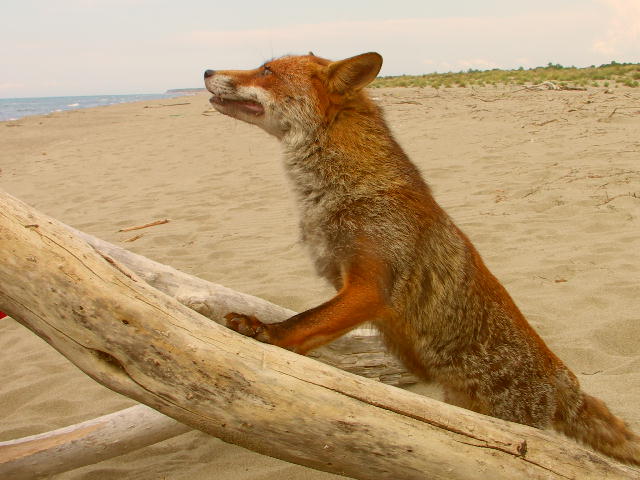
x=375, y=232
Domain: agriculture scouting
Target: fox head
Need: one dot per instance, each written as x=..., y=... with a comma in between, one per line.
x=292, y=94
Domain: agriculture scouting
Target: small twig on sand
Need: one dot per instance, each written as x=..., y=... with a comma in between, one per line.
x=167, y=105
x=146, y=225
x=539, y=86
x=536, y=189
x=620, y=108
x=134, y=238
x=609, y=199
x=542, y=124
x=501, y=97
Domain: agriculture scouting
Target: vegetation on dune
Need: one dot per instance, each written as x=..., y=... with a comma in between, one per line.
x=608, y=75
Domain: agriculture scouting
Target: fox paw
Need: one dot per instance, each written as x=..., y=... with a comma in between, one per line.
x=247, y=325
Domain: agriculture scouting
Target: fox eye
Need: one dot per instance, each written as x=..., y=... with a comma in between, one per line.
x=266, y=70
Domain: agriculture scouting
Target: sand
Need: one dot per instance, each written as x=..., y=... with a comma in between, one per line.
x=542, y=182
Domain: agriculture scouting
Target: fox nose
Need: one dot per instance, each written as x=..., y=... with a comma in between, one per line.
x=208, y=73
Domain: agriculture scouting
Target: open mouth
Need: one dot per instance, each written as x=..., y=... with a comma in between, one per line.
x=246, y=106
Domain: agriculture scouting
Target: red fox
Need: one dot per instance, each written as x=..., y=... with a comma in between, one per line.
x=396, y=258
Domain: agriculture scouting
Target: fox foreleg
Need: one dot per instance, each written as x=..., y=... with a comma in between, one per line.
x=359, y=301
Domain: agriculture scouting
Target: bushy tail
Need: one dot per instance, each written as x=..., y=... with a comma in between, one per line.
x=589, y=421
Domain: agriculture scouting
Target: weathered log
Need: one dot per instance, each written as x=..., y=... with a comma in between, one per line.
x=360, y=351
x=137, y=341
x=86, y=443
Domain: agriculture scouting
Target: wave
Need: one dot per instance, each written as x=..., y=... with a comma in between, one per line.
x=16, y=108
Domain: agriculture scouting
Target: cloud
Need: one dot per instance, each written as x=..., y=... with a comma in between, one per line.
x=95, y=50
x=460, y=65
x=622, y=34
x=418, y=45
x=10, y=86
x=338, y=31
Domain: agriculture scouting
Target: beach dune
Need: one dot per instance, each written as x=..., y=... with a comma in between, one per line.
x=546, y=184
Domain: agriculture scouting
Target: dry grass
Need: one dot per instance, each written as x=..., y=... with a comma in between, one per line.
x=609, y=75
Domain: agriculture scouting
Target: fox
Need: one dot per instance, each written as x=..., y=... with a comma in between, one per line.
x=396, y=259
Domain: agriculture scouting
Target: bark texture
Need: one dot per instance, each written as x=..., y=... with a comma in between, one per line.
x=89, y=442
x=360, y=351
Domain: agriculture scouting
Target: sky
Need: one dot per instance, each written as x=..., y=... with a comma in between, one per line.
x=97, y=47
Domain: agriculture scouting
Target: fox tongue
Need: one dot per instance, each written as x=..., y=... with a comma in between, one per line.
x=251, y=107
x=246, y=106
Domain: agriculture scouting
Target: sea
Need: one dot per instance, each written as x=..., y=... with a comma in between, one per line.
x=15, y=108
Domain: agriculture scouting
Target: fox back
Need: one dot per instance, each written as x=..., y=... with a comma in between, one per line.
x=396, y=259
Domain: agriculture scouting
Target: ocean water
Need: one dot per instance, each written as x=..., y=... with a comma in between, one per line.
x=15, y=108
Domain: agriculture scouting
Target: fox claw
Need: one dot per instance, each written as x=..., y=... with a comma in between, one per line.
x=247, y=325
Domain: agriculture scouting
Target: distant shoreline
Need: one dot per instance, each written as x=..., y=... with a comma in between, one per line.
x=17, y=108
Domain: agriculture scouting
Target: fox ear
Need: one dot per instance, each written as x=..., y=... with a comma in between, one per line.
x=353, y=74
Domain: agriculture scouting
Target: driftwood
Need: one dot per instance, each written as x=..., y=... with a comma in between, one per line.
x=86, y=443
x=360, y=351
x=141, y=343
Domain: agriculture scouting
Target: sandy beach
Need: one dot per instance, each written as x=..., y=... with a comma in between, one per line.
x=545, y=183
